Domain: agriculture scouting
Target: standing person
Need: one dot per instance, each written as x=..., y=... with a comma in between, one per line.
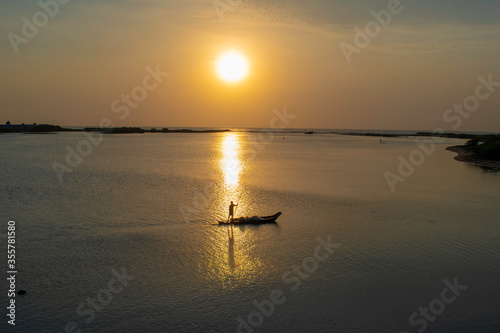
x=231, y=210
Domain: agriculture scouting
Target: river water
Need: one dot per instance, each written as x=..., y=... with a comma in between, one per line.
x=126, y=241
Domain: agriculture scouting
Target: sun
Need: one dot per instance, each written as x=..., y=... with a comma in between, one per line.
x=232, y=66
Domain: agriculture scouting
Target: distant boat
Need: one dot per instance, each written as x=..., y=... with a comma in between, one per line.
x=309, y=132
x=253, y=220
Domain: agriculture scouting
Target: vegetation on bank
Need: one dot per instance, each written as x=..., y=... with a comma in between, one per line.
x=45, y=128
x=127, y=130
x=115, y=130
x=484, y=149
x=31, y=128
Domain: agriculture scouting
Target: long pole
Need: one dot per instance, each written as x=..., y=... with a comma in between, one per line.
x=237, y=204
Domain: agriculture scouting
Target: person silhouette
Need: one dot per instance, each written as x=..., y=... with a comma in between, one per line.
x=231, y=210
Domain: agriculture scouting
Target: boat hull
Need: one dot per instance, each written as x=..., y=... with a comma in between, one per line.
x=253, y=220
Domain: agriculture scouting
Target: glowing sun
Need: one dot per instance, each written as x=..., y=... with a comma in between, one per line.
x=232, y=66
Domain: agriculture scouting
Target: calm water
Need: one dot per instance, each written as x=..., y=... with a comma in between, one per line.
x=146, y=204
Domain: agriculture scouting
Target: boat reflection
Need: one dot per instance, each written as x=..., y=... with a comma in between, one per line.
x=227, y=257
x=240, y=260
x=230, y=248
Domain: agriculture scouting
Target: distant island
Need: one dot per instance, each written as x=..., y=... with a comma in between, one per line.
x=32, y=128
x=426, y=134
x=46, y=128
x=126, y=130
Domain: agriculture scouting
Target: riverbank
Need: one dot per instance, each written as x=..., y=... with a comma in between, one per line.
x=33, y=128
x=46, y=128
x=466, y=155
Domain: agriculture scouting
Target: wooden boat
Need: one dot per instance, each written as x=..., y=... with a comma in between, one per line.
x=253, y=220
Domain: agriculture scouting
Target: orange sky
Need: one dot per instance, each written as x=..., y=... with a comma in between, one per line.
x=91, y=53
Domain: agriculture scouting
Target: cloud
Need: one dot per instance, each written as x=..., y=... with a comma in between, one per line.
x=422, y=27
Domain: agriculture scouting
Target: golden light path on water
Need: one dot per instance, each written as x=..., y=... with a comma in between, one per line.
x=228, y=253
x=230, y=162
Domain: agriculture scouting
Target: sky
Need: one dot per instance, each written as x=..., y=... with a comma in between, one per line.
x=316, y=58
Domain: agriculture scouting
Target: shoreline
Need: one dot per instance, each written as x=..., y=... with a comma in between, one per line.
x=47, y=128
x=55, y=129
x=469, y=157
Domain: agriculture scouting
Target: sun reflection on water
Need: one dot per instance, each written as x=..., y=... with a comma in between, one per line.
x=230, y=162
x=228, y=258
